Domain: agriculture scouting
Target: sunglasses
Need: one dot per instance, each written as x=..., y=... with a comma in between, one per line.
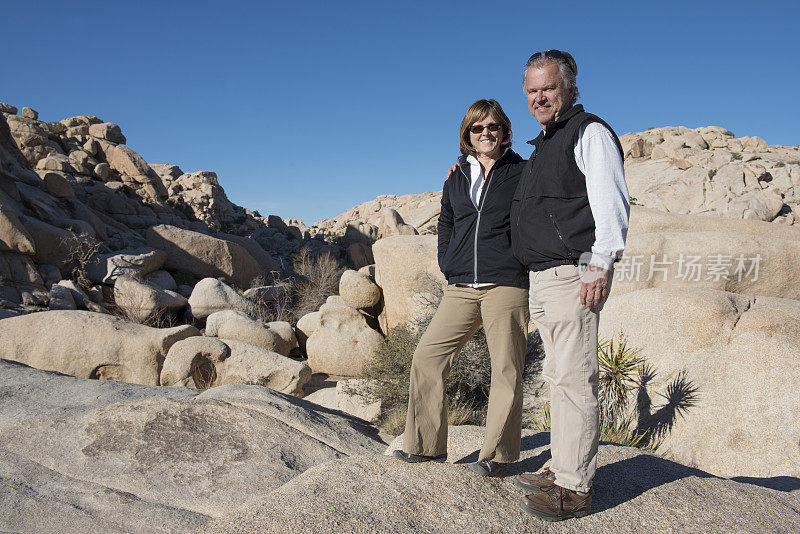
x=477, y=128
x=559, y=55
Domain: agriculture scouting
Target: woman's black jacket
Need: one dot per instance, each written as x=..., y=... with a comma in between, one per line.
x=475, y=243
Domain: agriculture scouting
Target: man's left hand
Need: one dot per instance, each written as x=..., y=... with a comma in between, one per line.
x=594, y=286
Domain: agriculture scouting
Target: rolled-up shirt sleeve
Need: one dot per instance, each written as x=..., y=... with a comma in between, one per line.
x=598, y=157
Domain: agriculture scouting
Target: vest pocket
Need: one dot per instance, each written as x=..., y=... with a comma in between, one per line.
x=560, y=235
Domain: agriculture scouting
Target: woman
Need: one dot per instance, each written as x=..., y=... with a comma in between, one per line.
x=485, y=284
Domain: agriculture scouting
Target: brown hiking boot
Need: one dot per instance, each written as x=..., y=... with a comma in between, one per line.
x=536, y=482
x=557, y=504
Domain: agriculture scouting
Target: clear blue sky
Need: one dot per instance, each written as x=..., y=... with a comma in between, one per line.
x=305, y=109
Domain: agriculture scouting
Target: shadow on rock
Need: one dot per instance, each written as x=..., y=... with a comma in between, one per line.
x=780, y=483
x=627, y=479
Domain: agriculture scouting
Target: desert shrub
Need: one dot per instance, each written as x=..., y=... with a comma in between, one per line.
x=619, y=372
x=736, y=155
x=712, y=173
x=728, y=133
x=316, y=278
x=780, y=164
x=84, y=250
x=278, y=309
x=388, y=373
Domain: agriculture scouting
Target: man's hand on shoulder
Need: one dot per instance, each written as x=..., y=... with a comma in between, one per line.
x=594, y=286
x=450, y=171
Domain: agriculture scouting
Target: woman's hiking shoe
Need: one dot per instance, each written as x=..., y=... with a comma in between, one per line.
x=417, y=458
x=488, y=468
x=536, y=482
x=557, y=504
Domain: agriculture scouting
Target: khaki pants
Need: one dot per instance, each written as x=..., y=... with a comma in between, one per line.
x=504, y=314
x=569, y=336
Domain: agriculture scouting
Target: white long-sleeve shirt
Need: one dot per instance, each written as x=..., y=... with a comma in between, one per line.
x=598, y=158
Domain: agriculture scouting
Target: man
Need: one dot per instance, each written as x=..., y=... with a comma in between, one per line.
x=570, y=206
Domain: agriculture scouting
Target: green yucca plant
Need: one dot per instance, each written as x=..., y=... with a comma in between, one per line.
x=620, y=367
x=619, y=374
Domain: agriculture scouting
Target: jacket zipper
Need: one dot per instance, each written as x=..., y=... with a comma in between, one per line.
x=560, y=237
x=478, y=221
x=527, y=183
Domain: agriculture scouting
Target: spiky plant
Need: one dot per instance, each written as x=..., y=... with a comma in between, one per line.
x=619, y=372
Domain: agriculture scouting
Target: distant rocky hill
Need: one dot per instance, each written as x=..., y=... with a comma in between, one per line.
x=701, y=171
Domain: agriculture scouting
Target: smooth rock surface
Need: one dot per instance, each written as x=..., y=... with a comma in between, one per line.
x=203, y=255
x=97, y=456
x=407, y=271
x=635, y=492
x=90, y=345
x=343, y=343
x=210, y=295
x=231, y=324
x=738, y=355
x=358, y=291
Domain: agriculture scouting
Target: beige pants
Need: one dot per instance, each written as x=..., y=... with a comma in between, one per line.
x=569, y=336
x=504, y=314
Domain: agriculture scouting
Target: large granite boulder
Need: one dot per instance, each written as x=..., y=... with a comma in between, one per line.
x=210, y=295
x=726, y=261
x=231, y=324
x=13, y=235
x=204, y=362
x=634, y=492
x=90, y=345
x=358, y=291
x=343, y=343
x=140, y=301
x=407, y=271
x=91, y=456
x=725, y=365
x=204, y=256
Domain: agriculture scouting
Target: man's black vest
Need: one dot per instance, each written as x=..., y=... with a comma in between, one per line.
x=551, y=221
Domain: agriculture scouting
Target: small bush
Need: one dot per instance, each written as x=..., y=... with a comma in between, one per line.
x=316, y=278
x=780, y=164
x=736, y=155
x=728, y=133
x=85, y=250
x=712, y=173
x=467, y=385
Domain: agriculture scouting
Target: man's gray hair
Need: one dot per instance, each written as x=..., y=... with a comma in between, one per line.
x=568, y=72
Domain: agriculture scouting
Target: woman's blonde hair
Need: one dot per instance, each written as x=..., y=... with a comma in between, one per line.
x=478, y=111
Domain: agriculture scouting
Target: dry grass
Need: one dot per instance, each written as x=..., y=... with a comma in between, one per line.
x=315, y=278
